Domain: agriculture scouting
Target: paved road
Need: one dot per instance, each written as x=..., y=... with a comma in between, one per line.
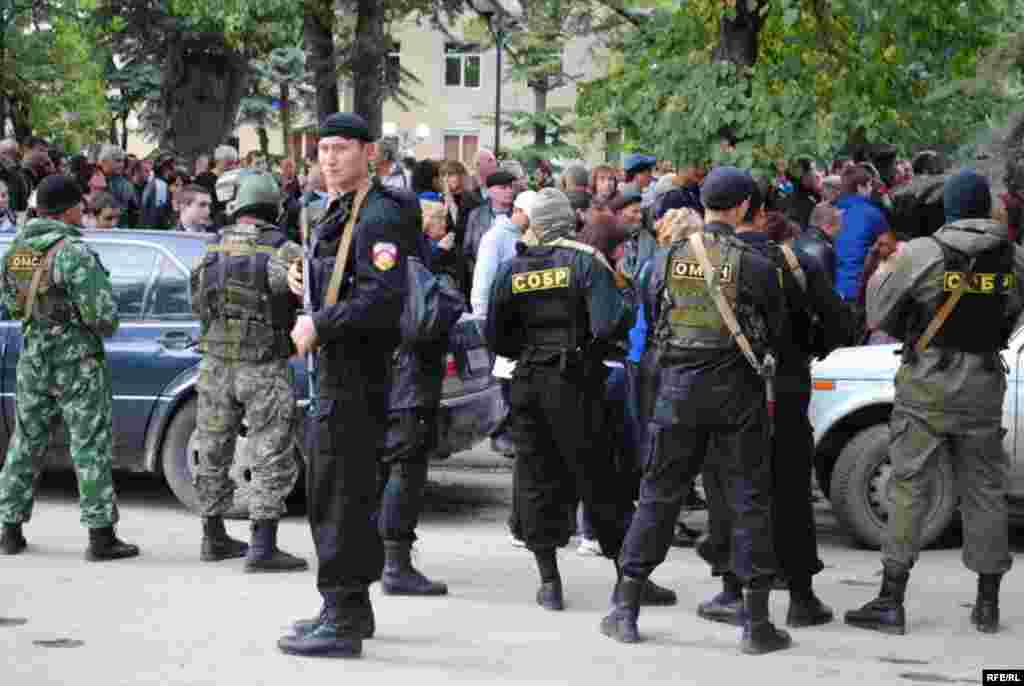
x=168, y=619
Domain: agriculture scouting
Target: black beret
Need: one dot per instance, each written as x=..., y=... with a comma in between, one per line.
x=725, y=188
x=346, y=125
x=624, y=200
x=501, y=178
x=57, y=194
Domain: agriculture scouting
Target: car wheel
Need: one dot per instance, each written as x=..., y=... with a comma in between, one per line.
x=180, y=457
x=859, y=490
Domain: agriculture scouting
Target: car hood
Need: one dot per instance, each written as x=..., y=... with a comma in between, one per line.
x=869, y=362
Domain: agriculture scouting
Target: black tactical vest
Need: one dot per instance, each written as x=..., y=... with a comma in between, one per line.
x=242, y=318
x=978, y=322
x=551, y=307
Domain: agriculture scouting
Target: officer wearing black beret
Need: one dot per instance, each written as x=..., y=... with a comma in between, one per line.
x=357, y=284
x=710, y=404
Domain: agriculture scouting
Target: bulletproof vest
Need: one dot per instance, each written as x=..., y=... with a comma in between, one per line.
x=551, y=306
x=242, y=318
x=978, y=322
x=50, y=304
x=688, y=316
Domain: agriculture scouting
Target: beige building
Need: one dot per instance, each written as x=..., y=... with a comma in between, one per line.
x=456, y=94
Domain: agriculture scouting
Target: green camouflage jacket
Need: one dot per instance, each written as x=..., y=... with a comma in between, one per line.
x=79, y=281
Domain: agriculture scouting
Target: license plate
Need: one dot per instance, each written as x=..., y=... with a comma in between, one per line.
x=479, y=360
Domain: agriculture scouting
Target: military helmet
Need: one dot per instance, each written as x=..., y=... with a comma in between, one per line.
x=242, y=188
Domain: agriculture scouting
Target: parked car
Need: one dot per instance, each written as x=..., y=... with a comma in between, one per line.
x=154, y=367
x=850, y=407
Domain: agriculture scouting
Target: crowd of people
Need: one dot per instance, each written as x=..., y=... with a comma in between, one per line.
x=651, y=325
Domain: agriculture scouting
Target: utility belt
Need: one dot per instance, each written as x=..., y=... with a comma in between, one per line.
x=249, y=340
x=565, y=360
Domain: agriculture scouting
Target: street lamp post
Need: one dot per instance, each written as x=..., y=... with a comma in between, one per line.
x=495, y=14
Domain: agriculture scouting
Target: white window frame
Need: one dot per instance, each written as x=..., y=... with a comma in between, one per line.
x=463, y=56
x=461, y=135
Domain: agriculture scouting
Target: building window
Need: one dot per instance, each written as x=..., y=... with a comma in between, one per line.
x=393, y=66
x=461, y=65
x=461, y=146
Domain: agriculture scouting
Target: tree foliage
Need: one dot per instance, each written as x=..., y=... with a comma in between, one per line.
x=823, y=75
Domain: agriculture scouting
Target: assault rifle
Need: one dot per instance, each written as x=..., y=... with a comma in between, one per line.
x=312, y=380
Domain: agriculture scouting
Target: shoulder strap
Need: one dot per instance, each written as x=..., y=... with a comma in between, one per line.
x=947, y=307
x=710, y=277
x=37, y=278
x=334, y=287
x=584, y=248
x=794, y=265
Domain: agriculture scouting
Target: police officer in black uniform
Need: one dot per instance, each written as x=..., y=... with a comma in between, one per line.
x=711, y=404
x=819, y=323
x=554, y=309
x=356, y=338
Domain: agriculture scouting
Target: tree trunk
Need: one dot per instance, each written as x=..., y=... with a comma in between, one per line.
x=19, y=113
x=318, y=35
x=113, y=130
x=202, y=89
x=124, y=131
x=3, y=118
x=286, y=120
x=369, y=52
x=261, y=131
x=540, y=106
x=738, y=38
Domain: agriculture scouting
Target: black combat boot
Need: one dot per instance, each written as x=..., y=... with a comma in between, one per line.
x=727, y=606
x=885, y=613
x=985, y=615
x=336, y=634
x=401, y=578
x=12, y=541
x=549, y=595
x=264, y=555
x=365, y=620
x=652, y=595
x=104, y=545
x=620, y=624
x=217, y=545
x=759, y=634
x=805, y=608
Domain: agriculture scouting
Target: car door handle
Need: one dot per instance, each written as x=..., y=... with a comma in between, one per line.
x=177, y=340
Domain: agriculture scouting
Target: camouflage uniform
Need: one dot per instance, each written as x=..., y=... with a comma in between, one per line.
x=246, y=374
x=61, y=371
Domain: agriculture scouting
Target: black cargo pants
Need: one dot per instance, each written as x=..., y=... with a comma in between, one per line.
x=563, y=456
x=717, y=421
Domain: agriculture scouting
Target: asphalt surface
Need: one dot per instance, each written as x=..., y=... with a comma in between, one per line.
x=166, y=618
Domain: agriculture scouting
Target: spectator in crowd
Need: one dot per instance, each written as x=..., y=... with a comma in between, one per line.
x=516, y=169
x=289, y=184
x=442, y=241
x=10, y=172
x=543, y=177
x=203, y=176
x=157, y=211
x=818, y=239
x=604, y=184
x=389, y=170
x=225, y=158
x=497, y=246
x=685, y=192
x=575, y=183
x=602, y=231
x=459, y=203
x=425, y=180
x=878, y=263
x=863, y=223
x=107, y=211
x=38, y=166
x=111, y=162
x=839, y=165
x=501, y=191
x=135, y=171
x=195, y=203
x=486, y=164
x=314, y=195
x=803, y=176
x=831, y=188
x=8, y=220
x=640, y=176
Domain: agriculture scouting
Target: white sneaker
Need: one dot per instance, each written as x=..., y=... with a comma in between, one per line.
x=589, y=548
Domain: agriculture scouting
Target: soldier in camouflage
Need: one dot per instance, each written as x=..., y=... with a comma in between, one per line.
x=240, y=294
x=57, y=287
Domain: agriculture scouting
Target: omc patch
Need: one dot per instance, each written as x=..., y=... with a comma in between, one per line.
x=25, y=260
x=542, y=280
x=385, y=256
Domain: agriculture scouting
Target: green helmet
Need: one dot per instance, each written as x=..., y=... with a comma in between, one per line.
x=242, y=188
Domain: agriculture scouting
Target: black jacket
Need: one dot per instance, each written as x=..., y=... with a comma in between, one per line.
x=817, y=245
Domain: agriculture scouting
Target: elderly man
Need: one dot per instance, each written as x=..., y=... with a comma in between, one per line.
x=111, y=162
x=486, y=164
x=11, y=174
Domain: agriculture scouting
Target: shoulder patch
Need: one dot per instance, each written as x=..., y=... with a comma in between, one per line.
x=24, y=260
x=385, y=256
x=541, y=280
x=691, y=269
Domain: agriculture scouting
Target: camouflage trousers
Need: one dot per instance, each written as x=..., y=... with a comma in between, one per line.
x=262, y=394
x=80, y=394
x=974, y=447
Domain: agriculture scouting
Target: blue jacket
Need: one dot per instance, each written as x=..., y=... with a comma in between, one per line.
x=863, y=223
